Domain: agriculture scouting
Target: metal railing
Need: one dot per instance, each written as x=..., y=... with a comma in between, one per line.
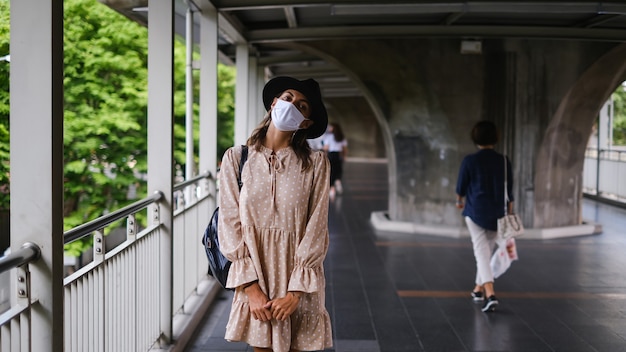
x=15, y=322
x=191, y=216
x=192, y=181
x=114, y=303
x=604, y=174
x=29, y=252
x=84, y=230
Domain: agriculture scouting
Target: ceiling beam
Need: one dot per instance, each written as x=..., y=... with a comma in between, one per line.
x=369, y=7
x=451, y=18
x=596, y=21
x=478, y=7
x=278, y=58
x=324, y=33
x=230, y=29
x=290, y=14
x=340, y=93
x=313, y=71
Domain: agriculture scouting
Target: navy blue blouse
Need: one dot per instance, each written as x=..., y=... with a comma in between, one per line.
x=481, y=182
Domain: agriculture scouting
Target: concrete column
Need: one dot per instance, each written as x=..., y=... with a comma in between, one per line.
x=161, y=141
x=427, y=96
x=37, y=158
x=208, y=95
x=259, y=81
x=560, y=159
x=242, y=94
x=254, y=96
x=502, y=93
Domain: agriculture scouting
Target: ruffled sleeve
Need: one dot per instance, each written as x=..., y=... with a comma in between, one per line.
x=230, y=234
x=307, y=275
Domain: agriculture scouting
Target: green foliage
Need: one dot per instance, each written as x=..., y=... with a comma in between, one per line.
x=105, y=58
x=105, y=91
x=619, y=122
x=4, y=106
x=225, y=108
x=4, y=166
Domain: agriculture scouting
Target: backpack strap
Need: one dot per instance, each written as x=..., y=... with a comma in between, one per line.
x=244, y=158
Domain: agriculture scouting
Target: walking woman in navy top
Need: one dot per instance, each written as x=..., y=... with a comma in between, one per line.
x=480, y=194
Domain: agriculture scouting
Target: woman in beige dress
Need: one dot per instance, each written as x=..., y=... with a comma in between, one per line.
x=275, y=230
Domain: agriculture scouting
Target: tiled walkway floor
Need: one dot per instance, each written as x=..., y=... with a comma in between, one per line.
x=397, y=292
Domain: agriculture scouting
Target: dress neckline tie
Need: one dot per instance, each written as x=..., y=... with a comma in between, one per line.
x=276, y=166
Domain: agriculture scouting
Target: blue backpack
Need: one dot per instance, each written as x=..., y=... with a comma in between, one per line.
x=218, y=264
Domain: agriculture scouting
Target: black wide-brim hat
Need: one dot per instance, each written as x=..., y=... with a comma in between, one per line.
x=311, y=89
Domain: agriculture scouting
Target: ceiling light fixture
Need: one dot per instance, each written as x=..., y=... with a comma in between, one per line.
x=471, y=47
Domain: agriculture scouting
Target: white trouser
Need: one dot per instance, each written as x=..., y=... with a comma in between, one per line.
x=484, y=242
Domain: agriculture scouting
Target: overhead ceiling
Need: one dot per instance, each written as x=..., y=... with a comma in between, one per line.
x=271, y=27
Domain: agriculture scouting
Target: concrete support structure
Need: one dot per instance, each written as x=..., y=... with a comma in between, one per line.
x=426, y=95
x=37, y=160
x=242, y=94
x=558, y=180
x=208, y=95
x=255, y=102
x=421, y=92
x=161, y=142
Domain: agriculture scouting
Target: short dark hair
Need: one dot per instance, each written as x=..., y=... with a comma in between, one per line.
x=485, y=133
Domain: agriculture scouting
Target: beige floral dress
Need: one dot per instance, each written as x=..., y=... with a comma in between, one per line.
x=276, y=231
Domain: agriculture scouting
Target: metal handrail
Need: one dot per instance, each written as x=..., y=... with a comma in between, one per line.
x=85, y=229
x=602, y=153
x=182, y=185
x=29, y=252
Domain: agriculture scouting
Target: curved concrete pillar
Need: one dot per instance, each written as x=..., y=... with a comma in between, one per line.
x=426, y=96
x=560, y=159
x=372, y=100
x=413, y=87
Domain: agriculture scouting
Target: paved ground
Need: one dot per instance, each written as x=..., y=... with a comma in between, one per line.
x=396, y=292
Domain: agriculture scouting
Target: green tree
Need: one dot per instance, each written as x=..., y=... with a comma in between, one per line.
x=619, y=121
x=105, y=142
x=4, y=106
x=225, y=108
x=105, y=58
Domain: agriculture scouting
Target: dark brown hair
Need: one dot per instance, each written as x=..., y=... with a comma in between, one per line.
x=484, y=133
x=337, y=132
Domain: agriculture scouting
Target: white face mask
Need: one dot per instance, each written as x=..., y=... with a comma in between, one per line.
x=286, y=117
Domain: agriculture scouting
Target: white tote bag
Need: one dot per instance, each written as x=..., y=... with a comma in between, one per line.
x=510, y=225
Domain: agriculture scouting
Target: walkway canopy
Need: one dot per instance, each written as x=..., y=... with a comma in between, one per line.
x=407, y=80
x=275, y=30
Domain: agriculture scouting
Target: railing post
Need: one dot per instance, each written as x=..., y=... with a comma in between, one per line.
x=207, y=149
x=131, y=228
x=98, y=247
x=22, y=285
